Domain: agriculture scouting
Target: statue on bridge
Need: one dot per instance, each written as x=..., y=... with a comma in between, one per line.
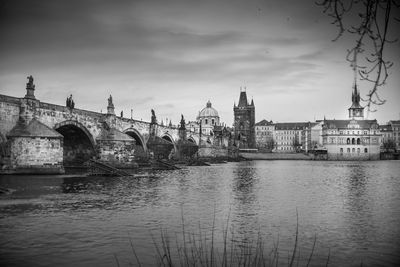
x=70, y=102
x=110, y=102
x=30, y=88
x=30, y=82
x=153, y=117
x=183, y=123
x=110, y=107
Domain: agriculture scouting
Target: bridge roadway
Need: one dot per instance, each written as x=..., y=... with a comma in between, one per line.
x=29, y=130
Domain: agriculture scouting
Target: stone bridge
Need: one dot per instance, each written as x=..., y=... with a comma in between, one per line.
x=35, y=134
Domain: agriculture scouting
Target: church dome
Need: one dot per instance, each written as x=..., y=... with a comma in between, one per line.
x=208, y=111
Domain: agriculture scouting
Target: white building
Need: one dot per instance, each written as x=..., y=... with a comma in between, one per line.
x=353, y=139
x=264, y=131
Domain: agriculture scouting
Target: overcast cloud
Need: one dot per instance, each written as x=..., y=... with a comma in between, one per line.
x=174, y=56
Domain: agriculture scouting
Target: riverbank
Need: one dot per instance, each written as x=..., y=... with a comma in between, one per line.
x=277, y=156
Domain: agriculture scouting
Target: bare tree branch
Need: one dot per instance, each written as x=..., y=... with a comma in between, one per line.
x=371, y=37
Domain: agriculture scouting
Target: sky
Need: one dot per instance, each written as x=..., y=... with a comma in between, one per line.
x=174, y=56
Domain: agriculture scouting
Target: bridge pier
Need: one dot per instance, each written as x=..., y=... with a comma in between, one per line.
x=116, y=148
x=34, y=148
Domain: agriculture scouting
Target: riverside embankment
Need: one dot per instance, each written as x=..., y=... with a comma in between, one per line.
x=277, y=156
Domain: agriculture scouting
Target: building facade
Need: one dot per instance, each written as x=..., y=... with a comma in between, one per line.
x=264, y=131
x=316, y=134
x=292, y=137
x=396, y=132
x=244, y=122
x=387, y=135
x=353, y=139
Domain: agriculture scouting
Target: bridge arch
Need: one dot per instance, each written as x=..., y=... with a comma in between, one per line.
x=168, y=137
x=191, y=139
x=78, y=144
x=135, y=134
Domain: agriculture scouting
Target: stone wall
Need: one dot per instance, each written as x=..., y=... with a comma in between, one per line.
x=36, y=155
x=116, y=152
x=213, y=152
x=9, y=114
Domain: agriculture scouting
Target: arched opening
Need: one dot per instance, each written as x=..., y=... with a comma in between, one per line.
x=140, y=147
x=358, y=141
x=190, y=139
x=353, y=141
x=348, y=140
x=78, y=144
x=166, y=137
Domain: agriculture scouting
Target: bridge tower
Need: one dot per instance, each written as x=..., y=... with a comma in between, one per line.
x=244, y=122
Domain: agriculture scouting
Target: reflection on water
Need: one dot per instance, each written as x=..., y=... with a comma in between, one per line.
x=352, y=207
x=244, y=199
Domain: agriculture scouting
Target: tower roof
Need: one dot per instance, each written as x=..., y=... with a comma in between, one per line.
x=355, y=98
x=33, y=129
x=243, y=100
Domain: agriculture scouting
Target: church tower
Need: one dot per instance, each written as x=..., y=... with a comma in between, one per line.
x=244, y=122
x=356, y=111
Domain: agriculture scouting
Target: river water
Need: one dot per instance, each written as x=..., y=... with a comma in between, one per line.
x=351, y=209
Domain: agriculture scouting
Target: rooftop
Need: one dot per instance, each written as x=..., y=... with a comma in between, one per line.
x=33, y=129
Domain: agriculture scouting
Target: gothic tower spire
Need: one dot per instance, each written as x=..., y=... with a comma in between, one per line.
x=356, y=111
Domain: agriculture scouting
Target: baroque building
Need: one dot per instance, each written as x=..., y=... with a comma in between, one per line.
x=244, y=122
x=352, y=139
x=206, y=120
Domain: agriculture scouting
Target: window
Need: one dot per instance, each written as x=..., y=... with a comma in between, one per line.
x=365, y=150
x=358, y=150
x=348, y=140
x=348, y=150
x=358, y=141
x=353, y=141
x=341, y=150
x=206, y=121
x=212, y=122
x=353, y=150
